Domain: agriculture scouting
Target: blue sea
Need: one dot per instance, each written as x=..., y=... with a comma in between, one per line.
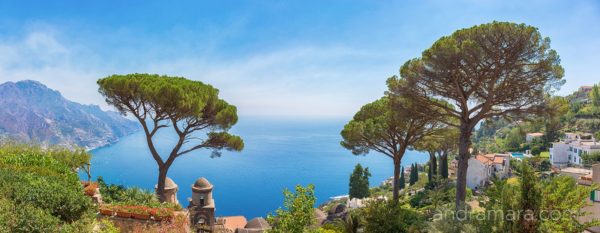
x=278, y=154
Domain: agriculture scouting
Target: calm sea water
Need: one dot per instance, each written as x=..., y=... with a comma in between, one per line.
x=278, y=154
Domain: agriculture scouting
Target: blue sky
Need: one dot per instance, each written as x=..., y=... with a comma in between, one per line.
x=270, y=58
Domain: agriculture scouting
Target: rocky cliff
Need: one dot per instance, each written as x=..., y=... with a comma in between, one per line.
x=29, y=111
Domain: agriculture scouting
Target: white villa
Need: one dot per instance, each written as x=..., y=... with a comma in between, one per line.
x=483, y=167
x=569, y=151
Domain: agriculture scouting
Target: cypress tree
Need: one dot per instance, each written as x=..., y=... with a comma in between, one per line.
x=416, y=172
x=365, y=182
x=530, y=199
x=413, y=174
x=355, y=182
x=359, y=182
x=401, y=180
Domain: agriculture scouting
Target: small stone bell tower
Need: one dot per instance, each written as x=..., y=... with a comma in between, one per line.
x=202, y=206
x=170, y=191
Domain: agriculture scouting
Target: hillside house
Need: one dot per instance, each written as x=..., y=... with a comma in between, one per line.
x=483, y=167
x=569, y=150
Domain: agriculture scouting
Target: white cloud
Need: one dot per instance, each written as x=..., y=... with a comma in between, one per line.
x=298, y=81
x=40, y=56
x=302, y=81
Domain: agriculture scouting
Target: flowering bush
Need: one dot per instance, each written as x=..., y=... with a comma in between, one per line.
x=162, y=214
x=125, y=211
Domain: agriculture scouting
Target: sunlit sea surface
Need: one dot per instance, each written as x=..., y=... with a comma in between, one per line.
x=278, y=154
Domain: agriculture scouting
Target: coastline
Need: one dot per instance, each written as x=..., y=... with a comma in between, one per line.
x=110, y=142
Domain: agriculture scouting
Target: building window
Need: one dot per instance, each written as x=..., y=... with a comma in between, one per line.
x=201, y=201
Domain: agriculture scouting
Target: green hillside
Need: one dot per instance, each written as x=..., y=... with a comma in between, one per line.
x=577, y=112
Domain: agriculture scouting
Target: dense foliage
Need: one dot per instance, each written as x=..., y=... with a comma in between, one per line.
x=359, y=182
x=533, y=204
x=40, y=191
x=591, y=158
x=297, y=214
x=387, y=216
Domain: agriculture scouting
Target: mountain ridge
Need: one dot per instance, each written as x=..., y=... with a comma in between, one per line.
x=32, y=112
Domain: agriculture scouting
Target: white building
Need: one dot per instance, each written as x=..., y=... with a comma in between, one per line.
x=569, y=151
x=483, y=167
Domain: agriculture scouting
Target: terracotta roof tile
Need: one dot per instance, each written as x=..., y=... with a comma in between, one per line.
x=483, y=159
x=490, y=159
x=498, y=160
x=234, y=222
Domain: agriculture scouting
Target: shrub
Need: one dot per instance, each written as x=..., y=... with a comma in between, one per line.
x=388, y=216
x=297, y=214
x=119, y=194
x=591, y=158
x=106, y=226
x=55, y=196
x=31, y=219
x=40, y=191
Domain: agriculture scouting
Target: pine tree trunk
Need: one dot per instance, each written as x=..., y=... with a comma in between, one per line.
x=463, y=164
x=396, y=179
x=444, y=165
x=434, y=164
x=160, y=189
x=429, y=172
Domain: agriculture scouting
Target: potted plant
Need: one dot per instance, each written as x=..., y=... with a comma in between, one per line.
x=107, y=210
x=123, y=211
x=162, y=214
x=140, y=212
